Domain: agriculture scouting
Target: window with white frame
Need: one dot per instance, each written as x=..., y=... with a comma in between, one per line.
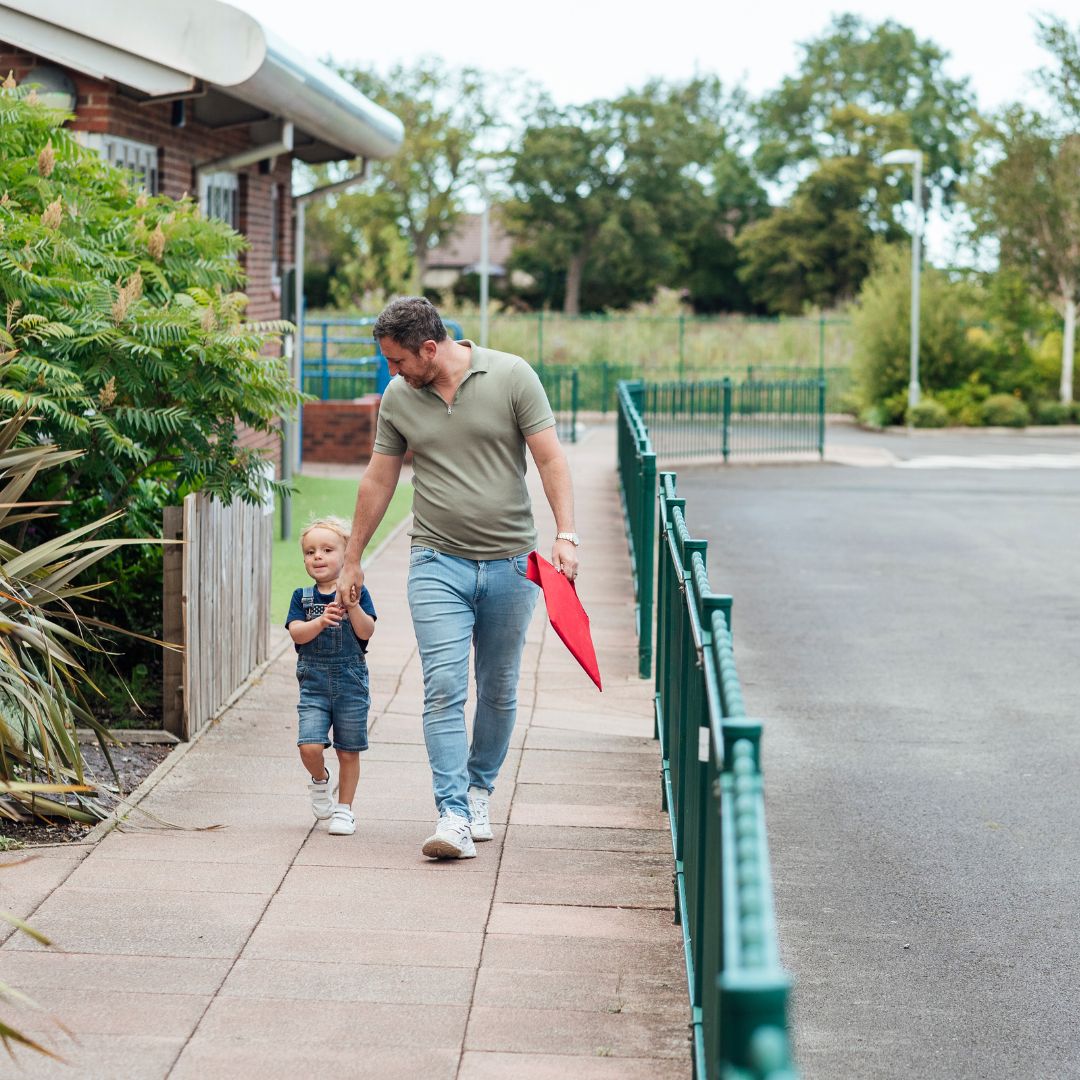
x=139, y=159
x=219, y=197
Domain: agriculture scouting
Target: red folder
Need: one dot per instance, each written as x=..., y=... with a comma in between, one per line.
x=565, y=613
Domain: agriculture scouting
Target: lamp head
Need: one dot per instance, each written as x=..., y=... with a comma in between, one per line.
x=902, y=157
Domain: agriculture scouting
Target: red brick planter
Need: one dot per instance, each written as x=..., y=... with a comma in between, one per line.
x=340, y=432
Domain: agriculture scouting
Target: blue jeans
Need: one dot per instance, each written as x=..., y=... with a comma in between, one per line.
x=456, y=603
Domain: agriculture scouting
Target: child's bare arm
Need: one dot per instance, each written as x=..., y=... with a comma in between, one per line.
x=362, y=623
x=302, y=631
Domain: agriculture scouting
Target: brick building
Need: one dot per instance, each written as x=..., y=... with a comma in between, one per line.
x=197, y=97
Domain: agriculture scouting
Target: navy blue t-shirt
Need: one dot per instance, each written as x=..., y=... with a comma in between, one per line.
x=321, y=599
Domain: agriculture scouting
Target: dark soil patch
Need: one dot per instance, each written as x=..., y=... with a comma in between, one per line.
x=134, y=762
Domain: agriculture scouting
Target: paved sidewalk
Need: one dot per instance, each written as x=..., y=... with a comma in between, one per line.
x=269, y=949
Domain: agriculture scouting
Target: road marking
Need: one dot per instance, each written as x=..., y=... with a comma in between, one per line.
x=993, y=461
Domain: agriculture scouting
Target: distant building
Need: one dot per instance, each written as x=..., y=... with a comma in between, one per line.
x=459, y=254
x=197, y=97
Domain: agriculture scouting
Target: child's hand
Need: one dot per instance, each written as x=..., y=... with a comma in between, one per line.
x=332, y=614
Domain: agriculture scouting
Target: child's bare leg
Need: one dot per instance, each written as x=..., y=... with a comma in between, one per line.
x=348, y=775
x=311, y=754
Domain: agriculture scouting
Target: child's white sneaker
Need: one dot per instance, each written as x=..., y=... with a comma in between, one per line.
x=451, y=839
x=342, y=822
x=479, y=814
x=322, y=797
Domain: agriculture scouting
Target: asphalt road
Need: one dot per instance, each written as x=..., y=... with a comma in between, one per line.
x=911, y=638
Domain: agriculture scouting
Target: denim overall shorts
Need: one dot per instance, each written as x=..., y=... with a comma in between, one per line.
x=333, y=678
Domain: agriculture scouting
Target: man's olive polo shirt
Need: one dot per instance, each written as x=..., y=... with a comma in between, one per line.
x=470, y=497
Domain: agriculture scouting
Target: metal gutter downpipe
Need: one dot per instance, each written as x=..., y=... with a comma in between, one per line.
x=290, y=459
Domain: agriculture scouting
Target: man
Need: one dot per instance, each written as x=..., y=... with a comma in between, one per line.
x=467, y=414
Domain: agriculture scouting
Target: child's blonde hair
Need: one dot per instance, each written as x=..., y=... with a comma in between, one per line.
x=332, y=522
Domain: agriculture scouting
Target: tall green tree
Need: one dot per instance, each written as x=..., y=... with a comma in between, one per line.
x=453, y=119
x=617, y=193
x=1028, y=197
x=862, y=89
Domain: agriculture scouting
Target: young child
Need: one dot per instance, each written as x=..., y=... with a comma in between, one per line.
x=332, y=672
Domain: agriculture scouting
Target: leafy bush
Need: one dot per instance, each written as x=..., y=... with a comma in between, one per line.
x=928, y=414
x=1005, y=410
x=125, y=336
x=964, y=403
x=1051, y=412
x=948, y=355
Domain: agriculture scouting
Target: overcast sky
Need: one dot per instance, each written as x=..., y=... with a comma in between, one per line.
x=596, y=48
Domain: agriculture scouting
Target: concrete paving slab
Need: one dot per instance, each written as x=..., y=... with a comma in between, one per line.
x=354, y=915
x=96, y=971
x=555, y=766
x=101, y=872
x=256, y=846
x=115, y=1012
x=532, y=1031
x=487, y=1065
x=541, y=738
x=327, y=943
x=142, y=922
x=585, y=862
x=619, y=890
x=552, y=920
x=548, y=952
x=101, y=1057
x=575, y=838
x=352, y=1056
x=641, y=793
x=393, y=984
x=577, y=814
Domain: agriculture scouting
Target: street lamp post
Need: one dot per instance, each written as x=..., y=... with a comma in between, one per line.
x=913, y=157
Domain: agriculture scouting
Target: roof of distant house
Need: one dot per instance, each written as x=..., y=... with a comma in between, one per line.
x=233, y=69
x=461, y=249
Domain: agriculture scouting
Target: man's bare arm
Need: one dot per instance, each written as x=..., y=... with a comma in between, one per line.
x=554, y=471
x=372, y=498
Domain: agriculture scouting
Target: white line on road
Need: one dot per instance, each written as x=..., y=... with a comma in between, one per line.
x=993, y=461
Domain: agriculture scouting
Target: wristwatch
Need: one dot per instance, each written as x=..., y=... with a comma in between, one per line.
x=572, y=537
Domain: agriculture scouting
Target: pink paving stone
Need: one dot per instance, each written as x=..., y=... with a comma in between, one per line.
x=100, y=1057
x=577, y=814
x=570, y=921
x=522, y=838
x=485, y=1065
x=332, y=944
x=307, y=980
x=572, y=862
x=623, y=890
x=203, y=1060
x=531, y=1031
x=112, y=1012
x=538, y=953
x=140, y=922
x=259, y=846
x=248, y=1022
x=101, y=872
x=541, y=738
x=93, y=972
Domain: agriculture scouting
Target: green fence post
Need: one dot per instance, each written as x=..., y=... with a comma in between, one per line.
x=646, y=554
x=727, y=418
x=821, y=418
x=325, y=363
x=573, y=404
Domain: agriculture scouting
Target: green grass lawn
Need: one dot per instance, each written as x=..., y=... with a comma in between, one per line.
x=314, y=496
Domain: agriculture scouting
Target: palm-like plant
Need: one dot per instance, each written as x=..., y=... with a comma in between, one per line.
x=41, y=677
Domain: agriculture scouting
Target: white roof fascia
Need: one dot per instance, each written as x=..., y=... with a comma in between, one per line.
x=207, y=39
x=91, y=57
x=211, y=41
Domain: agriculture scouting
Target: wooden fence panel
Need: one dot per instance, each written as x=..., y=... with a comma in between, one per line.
x=217, y=602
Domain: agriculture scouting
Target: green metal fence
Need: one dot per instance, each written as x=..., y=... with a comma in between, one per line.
x=561, y=387
x=637, y=485
x=727, y=419
x=714, y=796
x=712, y=785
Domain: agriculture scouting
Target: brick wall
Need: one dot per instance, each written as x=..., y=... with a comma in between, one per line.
x=103, y=109
x=340, y=432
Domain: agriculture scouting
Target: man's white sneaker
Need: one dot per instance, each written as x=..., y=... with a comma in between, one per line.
x=322, y=797
x=479, y=815
x=342, y=822
x=451, y=839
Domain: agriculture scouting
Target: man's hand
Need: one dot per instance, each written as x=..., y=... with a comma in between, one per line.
x=564, y=558
x=349, y=583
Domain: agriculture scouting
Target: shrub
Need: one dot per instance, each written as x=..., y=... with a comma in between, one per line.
x=928, y=414
x=125, y=336
x=1005, y=410
x=881, y=321
x=964, y=403
x=1051, y=412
